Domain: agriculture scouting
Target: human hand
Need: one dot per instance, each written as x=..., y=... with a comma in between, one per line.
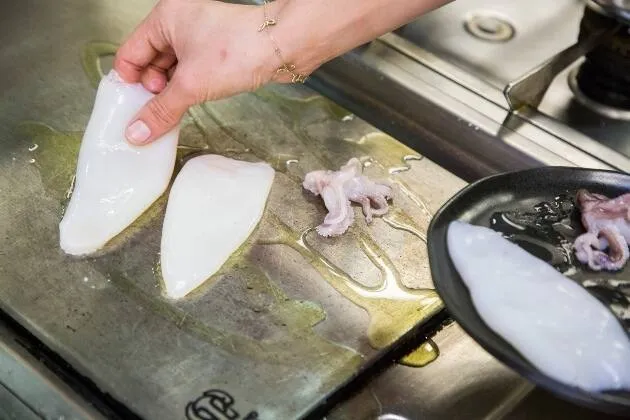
x=191, y=51
x=207, y=50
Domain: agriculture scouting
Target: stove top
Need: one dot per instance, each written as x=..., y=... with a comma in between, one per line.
x=443, y=77
x=486, y=44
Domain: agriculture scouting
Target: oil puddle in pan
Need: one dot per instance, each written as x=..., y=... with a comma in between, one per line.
x=547, y=230
x=616, y=293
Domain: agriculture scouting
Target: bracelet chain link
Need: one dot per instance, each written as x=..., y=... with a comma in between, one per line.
x=285, y=67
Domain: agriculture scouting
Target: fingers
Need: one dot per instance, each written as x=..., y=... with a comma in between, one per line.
x=143, y=46
x=155, y=75
x=159, y=115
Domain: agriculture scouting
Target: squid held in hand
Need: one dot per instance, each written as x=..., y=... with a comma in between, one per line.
x=115, y=181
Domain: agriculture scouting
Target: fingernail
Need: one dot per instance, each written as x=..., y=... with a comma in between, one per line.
x=155, y=85
x=138, y=132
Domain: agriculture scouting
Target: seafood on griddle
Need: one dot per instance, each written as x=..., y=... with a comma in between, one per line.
x=339, y=188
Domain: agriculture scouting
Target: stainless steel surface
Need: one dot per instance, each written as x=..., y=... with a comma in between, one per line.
x=489, y=27
x=108, y=327
x=435, y=63
x=439, y=89
x=463, y=383
x=29, y=390
x=465, y=129
x=543, y=29
x=293, y=317
x=530, y=89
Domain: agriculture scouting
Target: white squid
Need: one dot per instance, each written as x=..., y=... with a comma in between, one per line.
x=556, y=324
x=115, y=181
x=213, y=207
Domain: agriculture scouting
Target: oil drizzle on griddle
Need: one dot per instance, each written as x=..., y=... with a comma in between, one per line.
x=296, y=106
x=396, y=158
x=91, y=56
x=393, y=308
x=392, y=313
x=400, y=220
x=380, y=147
x=57, y=154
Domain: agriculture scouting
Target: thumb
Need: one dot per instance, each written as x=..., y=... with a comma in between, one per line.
x=159, y=115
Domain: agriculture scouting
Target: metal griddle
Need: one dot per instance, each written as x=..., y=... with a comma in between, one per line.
x=284, y=323
x=271, y=333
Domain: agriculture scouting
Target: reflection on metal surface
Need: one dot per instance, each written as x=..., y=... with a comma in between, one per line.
x=28, y=390
x=391, y=417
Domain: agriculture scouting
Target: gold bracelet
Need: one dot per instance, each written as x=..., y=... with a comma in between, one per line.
x=285, y=67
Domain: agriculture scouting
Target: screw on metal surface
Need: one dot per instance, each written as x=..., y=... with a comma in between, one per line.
x=489, y=27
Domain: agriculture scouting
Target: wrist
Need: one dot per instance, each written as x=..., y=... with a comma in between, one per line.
x=286, y=42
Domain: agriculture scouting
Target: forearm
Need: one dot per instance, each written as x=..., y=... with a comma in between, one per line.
x=312, y=32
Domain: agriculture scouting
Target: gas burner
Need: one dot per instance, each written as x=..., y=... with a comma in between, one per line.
x=617, y=9
x=593, y=105
x=602, y=82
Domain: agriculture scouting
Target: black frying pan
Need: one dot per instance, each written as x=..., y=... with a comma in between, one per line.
x=481, y=202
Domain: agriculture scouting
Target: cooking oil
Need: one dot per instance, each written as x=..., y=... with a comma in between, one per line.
x=91, y=57
x=545, y=230
x=393, y=308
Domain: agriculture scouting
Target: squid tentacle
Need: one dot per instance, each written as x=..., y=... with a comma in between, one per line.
x=338, y=189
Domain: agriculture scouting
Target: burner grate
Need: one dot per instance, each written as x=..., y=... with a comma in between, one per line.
x=605, y=74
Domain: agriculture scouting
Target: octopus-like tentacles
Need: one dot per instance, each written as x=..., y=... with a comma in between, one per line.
x=607, y=224
x=339, y=188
